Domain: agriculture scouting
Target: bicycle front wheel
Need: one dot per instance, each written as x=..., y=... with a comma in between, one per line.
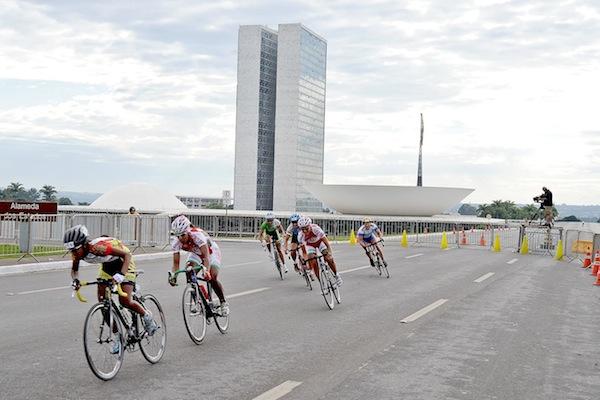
x=104, y=346
x=307, y=277
x=194, y=313
x=383, y=267
x=278, y=265
x=153, y=347
x=335, y=289
x=326, y=288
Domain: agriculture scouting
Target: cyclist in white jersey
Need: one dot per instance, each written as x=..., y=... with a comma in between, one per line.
x=369, y=233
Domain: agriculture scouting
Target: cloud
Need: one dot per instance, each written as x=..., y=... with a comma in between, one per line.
x=507, y=88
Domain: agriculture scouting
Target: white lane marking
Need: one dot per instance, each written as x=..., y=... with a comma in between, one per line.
x=44, y=290
x=240, y=264
x=484, y=277
x=231, y=296
x=514, y=260
x=424, y=311
x=355, y=269
x=278, y=391
x=414, y=255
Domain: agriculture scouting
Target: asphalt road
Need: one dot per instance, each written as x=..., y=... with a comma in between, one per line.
x=529, y=328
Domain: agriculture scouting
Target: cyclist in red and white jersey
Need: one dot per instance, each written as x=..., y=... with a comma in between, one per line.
x=311, y=237
x=202, y=251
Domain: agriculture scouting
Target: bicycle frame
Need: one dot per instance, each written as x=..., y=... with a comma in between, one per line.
x=205, y=291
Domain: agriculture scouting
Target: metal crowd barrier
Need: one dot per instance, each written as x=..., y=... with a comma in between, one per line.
x=35, y=235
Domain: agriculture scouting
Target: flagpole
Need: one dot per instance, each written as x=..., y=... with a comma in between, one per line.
x=420, y=169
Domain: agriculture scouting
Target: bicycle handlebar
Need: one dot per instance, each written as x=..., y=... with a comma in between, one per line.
x=196, y=269
x=82, y=298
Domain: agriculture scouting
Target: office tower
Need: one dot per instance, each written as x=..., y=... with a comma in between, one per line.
x=280, y=117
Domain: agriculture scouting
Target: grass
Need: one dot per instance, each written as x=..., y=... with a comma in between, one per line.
x=12, y=250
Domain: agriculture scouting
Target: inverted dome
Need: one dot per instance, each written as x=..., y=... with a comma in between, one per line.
x=388, y=200
x=142, y=196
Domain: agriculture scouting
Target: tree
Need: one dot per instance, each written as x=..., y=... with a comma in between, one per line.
x=65, y=201
x=499, y=209
x=467, y=209
x=571, y=218
x=48, y=191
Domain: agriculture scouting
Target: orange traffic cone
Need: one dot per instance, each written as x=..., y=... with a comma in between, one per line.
x=587, y=261
x=597, y=283
x=463, y=240
x=482, y=240
x=596, y=264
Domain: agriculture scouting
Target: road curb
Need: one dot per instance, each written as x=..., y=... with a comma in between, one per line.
x=57, y=265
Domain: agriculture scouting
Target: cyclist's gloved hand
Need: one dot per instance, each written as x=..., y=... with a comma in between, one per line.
x=172, y=279
x=119, y=278
x=207, y=275
x=75, y=284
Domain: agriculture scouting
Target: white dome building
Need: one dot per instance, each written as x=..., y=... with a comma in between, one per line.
x=142, y=196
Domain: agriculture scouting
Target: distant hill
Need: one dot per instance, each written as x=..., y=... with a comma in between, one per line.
x=79, y=197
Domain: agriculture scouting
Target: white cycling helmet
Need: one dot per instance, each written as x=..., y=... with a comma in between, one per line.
x=180, y=225
x=304, y=222
x=269, y=216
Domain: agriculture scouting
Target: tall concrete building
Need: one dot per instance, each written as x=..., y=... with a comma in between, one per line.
x=280, y=121
x=255, y=118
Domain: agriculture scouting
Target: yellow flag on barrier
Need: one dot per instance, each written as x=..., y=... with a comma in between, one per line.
x=444, y=244
x=497, y=246
x=524, y=246
x=352, y=237
x=404, y=242
x=559, y=251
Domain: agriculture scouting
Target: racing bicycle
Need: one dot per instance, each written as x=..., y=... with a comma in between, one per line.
x=198, y=306
x=107, y=323
x=273, y=254
x=327, y=281
x=376, y=258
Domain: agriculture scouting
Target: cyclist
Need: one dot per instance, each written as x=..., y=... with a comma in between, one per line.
x=311, y=237
x=202, y=251
x=270, y=231
x=368, y=234
x=115, y=264
x=292, y=233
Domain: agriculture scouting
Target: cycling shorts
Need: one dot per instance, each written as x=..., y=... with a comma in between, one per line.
x=108, y=269
x=215, y=259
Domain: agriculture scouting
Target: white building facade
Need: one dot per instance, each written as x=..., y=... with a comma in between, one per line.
x=300, y=117
x=255, y=118
x=280, y=121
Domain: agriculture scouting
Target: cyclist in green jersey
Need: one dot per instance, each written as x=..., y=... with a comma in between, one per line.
x=271, y=231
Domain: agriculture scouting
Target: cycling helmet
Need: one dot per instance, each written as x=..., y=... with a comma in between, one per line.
x=270, y=216
x=304, y=222
x=75, y=237
x=367, y=220
x=294, y=217
x=180, y=225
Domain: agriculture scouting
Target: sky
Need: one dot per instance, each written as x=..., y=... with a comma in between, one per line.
x=94, y=95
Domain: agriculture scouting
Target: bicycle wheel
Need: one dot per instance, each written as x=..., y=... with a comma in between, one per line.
x=98, y=342
x=194, y=313
x=278, y=264
x=307, y=277
x=377, y=263
x=153, y=347
x=383, y=267
x=334, y=287
x=326, y=287
x=222, y=321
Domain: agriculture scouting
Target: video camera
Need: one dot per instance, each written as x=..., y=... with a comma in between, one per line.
x=538, y=199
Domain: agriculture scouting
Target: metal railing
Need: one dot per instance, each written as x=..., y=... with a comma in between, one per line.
x=37, y=235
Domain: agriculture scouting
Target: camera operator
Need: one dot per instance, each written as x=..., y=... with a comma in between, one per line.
x=546, y=204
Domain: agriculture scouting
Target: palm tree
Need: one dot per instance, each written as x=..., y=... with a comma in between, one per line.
x=48, y=191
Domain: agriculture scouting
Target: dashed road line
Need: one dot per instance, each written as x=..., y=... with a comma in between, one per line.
x=247, y=292
x=414, y=255
x=278, y=391
x=42, y=290
x=244, y=263
x=354, y=269
x=484, y=277
x=514, y=260
x=423, y=311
